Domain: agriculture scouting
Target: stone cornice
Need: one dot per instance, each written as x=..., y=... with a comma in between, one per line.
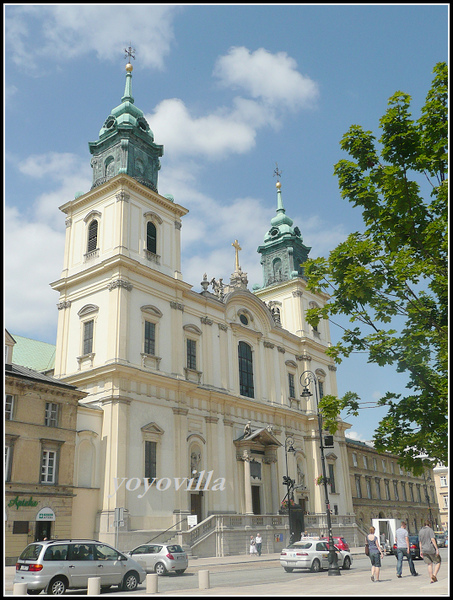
x=122, y=184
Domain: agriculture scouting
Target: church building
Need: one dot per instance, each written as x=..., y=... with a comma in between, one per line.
x=193, y=409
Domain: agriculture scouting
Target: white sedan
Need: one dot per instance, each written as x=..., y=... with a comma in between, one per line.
x=313, y=554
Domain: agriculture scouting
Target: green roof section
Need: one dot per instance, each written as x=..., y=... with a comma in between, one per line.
x=39, y=356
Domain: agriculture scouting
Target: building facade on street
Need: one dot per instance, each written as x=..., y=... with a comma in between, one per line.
x=199, y=391
x=440, y=473
x=40, y=443
x=382, y=490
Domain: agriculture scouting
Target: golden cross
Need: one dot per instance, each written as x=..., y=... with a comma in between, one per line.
x=236, y=246
x=277, y=173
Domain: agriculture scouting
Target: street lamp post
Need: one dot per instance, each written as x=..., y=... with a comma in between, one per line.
x=289, y=483
x=305, y=379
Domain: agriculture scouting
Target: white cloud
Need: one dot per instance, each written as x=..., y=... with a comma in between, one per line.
x=214, y=135
x=34, y=258
x=68, y=31
x=274, y=78
x=68, y=173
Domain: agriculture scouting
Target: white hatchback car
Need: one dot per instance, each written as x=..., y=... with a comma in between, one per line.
x=313, y=554
x=161, y=558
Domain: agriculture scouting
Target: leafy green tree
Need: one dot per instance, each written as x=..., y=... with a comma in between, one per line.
x=391, y=279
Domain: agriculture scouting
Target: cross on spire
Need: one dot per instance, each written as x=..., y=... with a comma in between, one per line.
x=277, y=173
x=130, y=52
x=236, y=246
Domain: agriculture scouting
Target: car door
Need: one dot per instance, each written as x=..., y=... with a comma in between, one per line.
x=81, y=564
x=145, y=556
x=109, y=567
x=322, y=552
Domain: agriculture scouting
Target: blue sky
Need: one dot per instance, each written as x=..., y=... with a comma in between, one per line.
x=229, y=90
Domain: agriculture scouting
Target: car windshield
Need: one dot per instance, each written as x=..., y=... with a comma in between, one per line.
x=31, y=552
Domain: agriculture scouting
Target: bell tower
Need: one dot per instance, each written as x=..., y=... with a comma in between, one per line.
x=126, y=143
x=283, y=251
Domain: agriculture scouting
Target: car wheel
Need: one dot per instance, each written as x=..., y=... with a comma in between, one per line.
x=57, y=586
x=130, y=582
x=347, y=563
x=179, y=571
x=315, y=566
x=288, y=569
x=160, y=568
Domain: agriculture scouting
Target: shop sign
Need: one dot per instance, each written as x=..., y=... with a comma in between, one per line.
x=17, y=503
x=45, y=514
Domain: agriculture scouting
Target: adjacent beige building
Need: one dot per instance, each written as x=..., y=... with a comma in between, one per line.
x=440, y=473
x=40, y=445
x=382, y=490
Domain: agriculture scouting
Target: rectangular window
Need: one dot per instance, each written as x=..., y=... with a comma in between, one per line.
x=191, y=354
x=443, y=481
x=368, y=488
x=387, y=490
x=321, y=389
x=150, y=338
x=48, y=466
x=384, y=466
x=150, y=459
x=51, y=417
x=357, y=487
x=378, y=488
x=354, y=459
x=292, y=389
x=246, y=386
x=20, y=527
x=403, y=487
x=395, y=489
x=8, y=462
x=88, y=329
x=332, y=478
x=375, y=464
x=419, y=495
x=445, y=499
x=9, y=407
x=411, y=491
x=365, y=462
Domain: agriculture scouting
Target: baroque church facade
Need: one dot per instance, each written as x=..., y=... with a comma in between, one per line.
x=193, y=397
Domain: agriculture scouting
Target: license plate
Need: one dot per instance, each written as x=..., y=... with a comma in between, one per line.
x=23, y=567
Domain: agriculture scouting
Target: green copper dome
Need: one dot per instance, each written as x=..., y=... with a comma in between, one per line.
x=126, y=144
x=283, y=251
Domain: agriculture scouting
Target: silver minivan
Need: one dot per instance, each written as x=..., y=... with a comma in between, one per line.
x=56, y=565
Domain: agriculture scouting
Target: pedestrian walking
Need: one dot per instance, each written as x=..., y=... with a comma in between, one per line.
x=252, y=545
x=403, y=550
x=258, y=543
x=376, y=554
x=429, y=550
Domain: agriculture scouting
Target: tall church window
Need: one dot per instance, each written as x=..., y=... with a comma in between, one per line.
x=150, y=338
x=88, y=330
x=151, y=237
x=246, y=387
x=92, y=236
x=292, y=389
x=150, y=459
x=191, y=354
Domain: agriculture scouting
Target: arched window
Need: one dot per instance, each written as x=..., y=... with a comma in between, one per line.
x=151, y=237
x=92, y=236
x=245, y=370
